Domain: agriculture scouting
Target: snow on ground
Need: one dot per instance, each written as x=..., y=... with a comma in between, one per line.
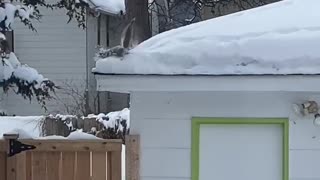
x=279, y=38
x=108, y=6
x=26, y=126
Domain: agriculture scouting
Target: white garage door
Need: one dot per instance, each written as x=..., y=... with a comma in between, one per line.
x=241, y=152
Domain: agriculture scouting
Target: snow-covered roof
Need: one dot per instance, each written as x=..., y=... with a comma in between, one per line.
x=279, y=38
x=114, y=7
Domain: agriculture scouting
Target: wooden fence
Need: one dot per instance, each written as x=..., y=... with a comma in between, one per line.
x=63, y=160
x=56, y=126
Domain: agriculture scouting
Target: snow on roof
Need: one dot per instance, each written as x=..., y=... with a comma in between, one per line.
x=108, y=6
x=279, y=38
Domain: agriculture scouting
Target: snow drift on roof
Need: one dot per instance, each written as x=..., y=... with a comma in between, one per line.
x=279, y=38
x=108, y=6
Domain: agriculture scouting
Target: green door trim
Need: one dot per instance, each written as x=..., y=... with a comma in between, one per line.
x=197, y=121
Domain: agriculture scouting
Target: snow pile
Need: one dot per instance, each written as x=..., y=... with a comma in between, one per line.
x=26, y=126
x=55, y=137
x=22, y=133
x=81, y=135
x=279, y=38
x=107, y=6
x=62, y=117
x=76, y=135
x=117, y=120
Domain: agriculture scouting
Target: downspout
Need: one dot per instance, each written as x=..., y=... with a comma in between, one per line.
x=99, y=44
x=87, y=67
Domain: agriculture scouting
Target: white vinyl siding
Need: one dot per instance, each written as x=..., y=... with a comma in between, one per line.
x=57, y=50
x=163, y=120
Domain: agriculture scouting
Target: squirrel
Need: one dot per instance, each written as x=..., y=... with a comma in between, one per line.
x=126, y=42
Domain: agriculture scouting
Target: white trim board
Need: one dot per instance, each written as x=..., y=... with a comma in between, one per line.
x=285, y=83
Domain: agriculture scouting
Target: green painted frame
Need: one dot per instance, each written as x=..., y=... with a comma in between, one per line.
x=197, y=121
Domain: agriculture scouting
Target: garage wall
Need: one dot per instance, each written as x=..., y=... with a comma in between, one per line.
x=57, y=50
x=163, y=122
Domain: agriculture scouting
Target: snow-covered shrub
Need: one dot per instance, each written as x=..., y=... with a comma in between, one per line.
x=61, y=125
x=113, y=125
x=116, y=124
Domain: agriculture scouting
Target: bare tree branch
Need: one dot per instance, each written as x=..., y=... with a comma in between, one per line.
x=178, y=13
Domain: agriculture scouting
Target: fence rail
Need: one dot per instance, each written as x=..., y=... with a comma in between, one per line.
x=63, y=160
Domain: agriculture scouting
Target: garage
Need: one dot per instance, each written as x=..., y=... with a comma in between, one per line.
x=240, y=149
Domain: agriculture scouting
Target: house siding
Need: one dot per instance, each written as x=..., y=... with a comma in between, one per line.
x=57, y=50
x=163, y=120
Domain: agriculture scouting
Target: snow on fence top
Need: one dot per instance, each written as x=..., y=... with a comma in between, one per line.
x=279, y=38
x=29, y=127
x=108, y=6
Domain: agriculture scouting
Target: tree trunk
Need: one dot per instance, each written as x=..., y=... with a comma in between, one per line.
x=139, y=9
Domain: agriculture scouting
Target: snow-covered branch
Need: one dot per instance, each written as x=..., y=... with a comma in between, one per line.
x=9, y=11
x=24, y=80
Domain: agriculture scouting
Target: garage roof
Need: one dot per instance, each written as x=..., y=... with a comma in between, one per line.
x=279, y=38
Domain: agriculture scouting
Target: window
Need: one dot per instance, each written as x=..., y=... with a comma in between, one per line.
x=10, y=38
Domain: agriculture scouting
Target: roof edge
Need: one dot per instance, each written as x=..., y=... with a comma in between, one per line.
x=260, y=83
x=205, y=75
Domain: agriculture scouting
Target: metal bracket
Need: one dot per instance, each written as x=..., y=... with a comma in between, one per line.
x=16, y=147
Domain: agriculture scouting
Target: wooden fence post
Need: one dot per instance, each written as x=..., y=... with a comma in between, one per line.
x=3, y=161
x=114, y=165
x=11, y=161
x=132, y=157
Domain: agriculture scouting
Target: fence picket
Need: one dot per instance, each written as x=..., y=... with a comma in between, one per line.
x=2, y=165
x=116, y=165
x=28, y=165
x=21, y=166
x=39, y=165
x=63, y=160
x=83, y=166
x=98, y=166
x=11, y=168
x=109, y=173
x=68, y=165
x=53, y=165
